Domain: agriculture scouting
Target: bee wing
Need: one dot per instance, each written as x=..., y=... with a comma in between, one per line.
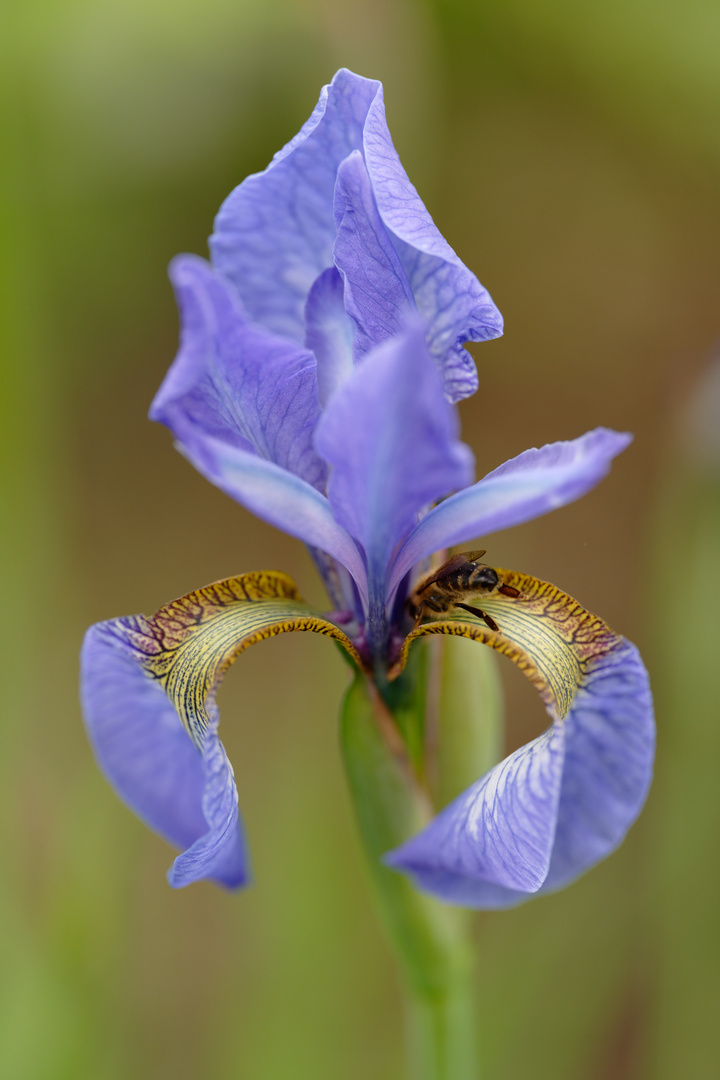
x=447, y=568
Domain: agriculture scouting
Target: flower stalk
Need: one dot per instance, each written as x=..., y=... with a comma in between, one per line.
x=381, y=738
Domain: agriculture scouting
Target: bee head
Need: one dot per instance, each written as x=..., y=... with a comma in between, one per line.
x=484, y=577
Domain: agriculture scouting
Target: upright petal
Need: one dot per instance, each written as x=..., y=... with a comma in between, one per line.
x=521, y=489
x=234, y=381
x=452, y=300
x=329, y=332
x=377, y=291
x=391, y=440
x=148, y=688
x=558, y=805
x=275, y=232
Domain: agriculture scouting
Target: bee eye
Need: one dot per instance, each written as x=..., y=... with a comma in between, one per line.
x=486, y=577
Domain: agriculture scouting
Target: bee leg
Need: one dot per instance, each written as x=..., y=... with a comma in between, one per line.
x=481, y=615
x=419, y=615
x=508, y=590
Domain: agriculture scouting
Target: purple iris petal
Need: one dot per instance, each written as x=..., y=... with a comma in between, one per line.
x=275, y=232
x=377, y=292
x=186, y=796
x=390, y=459
x=525, y=487
x=329, y=332
x=500, y=830
x=235, y=381
x=457, y=307
x=609, y=748
x=278, y=497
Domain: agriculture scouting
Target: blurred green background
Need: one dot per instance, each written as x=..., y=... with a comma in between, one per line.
x=571, y=154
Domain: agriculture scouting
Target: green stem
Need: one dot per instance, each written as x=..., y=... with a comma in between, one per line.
x=441, y=1034
x=430, y=940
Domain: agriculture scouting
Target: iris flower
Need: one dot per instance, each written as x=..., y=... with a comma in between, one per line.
x=321, y=355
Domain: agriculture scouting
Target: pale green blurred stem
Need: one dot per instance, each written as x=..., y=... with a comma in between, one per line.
x=431, y=941
x=685, y=1040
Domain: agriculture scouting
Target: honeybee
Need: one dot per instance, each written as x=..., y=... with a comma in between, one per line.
x=461, y=578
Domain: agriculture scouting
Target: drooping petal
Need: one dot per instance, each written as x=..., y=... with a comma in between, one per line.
x=388, y=460
x=377, y=291
x=278, y=497
x=610, y=737
x=452, y=300
x=275, y=232
x=148, y=688
x=501, y=830
x=329, y=332
x=145, y=753
x=560, y=804
x=521, y=489
x=234, y=381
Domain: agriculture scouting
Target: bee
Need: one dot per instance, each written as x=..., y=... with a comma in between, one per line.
x=460, y=578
